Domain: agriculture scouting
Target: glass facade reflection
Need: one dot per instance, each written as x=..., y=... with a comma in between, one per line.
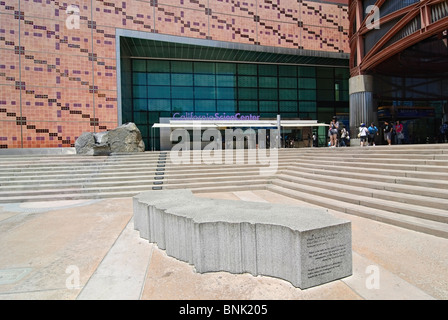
x=163, y=88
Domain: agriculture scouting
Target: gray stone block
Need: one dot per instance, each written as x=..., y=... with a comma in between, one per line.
x=126, y=138
x=84, y=144
x=305, y=246
x=101, y=149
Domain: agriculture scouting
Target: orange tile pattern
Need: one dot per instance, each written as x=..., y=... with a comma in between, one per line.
x=57, y=82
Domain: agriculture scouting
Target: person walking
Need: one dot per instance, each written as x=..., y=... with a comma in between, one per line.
x=344, y=137
x=399, y=132
x=363, y=132
x=388, y=132
x=334, y=129
x=373, y=131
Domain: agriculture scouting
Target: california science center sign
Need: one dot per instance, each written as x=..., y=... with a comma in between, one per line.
x=216, y=116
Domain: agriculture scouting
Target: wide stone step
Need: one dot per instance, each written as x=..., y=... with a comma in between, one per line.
x=438, y=215
x=75, y=175
x=210, y=185
x=382, y=171
x=75, y=170
x=69, y=196
x=378, y=176
x=107, y=190
x=377, y=160
x=343, y=182
x=409, y=222
x=385, y=165
x=364, y=190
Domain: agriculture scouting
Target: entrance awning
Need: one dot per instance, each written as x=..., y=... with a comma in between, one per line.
x=238, y=124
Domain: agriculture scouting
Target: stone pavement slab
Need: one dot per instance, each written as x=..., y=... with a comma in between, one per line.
x=89, y=250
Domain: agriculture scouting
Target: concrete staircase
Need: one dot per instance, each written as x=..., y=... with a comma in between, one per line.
x=406, y=186
x=71, y=177
x=402, y=185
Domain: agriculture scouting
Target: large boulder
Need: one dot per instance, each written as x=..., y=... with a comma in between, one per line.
x=85, y=143
x=123, y=139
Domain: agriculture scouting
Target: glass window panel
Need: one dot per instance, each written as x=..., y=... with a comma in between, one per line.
x=181, y=66
x=267, y=82
x=287, y=71
x=204, y=67
x=308, y=115
x=183, y=105
x=207, y=80
x=267, y=70
x=287, y=82
x=140, y=118
x=309, y=72
x=157, y=66
x=322, y=72
x=248, y=106
x=288, y=94
x=247, y=69
x=204, y=93
x=140, y=104
x=247, y=81
x=326, y=84
x=139, y=79
x=225, y=81
x=159, y=105
x=181, y=79
x=268, y=94
x=307, y=94
x=139, y=65
x=144, y=129
x=328, y=110
x=269, y=106
x=288, y=106
x=325, y=95
x=162, y=79
x=159, y=92
x=268, y=114
x=247, y=94
x=307, y=83
x=205, y=105
x=342, y=73
x=153, y=117
x=139, y=92
x=225, y=68
x=289, y=115
x=307, y=106
x=226, y=105
x=225, y=93
x=182, y=92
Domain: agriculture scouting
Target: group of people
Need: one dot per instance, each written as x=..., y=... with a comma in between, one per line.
x=392, y=132
x=333, y=133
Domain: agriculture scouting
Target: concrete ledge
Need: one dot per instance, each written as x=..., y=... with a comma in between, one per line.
x=304, y=246
x=36, y=151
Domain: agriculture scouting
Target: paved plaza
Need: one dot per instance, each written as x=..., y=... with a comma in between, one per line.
x=88, y=249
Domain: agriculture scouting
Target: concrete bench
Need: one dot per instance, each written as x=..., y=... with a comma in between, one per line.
x=304, y=246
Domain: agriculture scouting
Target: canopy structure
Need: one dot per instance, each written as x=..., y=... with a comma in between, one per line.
x=223, y=124
x=238, y=124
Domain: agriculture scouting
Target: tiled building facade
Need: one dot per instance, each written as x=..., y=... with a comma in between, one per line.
x=58, y=79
